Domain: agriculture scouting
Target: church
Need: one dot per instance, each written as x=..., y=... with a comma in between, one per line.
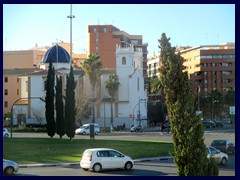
x=129, y=107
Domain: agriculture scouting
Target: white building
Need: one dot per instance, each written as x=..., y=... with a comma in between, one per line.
x=130, y=98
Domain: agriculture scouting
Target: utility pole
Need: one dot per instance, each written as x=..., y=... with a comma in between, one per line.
x=71, y=17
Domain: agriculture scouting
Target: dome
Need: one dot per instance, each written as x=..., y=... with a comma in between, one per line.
x=56, y=54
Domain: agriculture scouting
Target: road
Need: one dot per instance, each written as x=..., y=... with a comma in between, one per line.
x=153, y=168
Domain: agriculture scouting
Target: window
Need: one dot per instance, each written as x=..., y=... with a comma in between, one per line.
x=17, y=79
x=138, y=84
x=5, y=104
x=205, y=72
x=226, y=72
x=213, y=64
x=214, y=81
x=205, y=89
x=105, y=30
x=17, y=91
x=205, y=81
x=123, y=60
x=5, y=92
x=6, y=79
x=214, y=72
x=94, y=30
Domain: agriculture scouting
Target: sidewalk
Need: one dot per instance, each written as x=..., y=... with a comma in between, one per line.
x=77, y=163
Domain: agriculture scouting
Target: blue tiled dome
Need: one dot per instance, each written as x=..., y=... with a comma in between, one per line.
x=57, y=54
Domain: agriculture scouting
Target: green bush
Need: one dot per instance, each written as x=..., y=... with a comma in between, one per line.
x=212, y=169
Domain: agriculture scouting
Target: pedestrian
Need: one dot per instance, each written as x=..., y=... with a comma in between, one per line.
x=161, y=128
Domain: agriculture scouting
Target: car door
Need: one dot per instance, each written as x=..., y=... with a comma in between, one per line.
x=104, y=158
x=117, y=159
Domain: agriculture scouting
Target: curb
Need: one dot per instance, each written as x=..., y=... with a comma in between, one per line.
x=77, y=163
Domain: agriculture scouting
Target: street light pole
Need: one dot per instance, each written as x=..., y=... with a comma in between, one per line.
x=140, y=101
x=15, y=103
x=71, y=16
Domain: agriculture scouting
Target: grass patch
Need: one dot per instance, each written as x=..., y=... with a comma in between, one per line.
x=42, y=150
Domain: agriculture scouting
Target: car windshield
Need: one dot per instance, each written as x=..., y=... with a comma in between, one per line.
x=218, y=143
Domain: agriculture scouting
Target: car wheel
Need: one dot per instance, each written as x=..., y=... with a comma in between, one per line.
x=84, y=133
x=96, y=133
x=97, y=167
x=9, y=171
x=6, y=135
x=85, y=169
x=128, y=166
x=224, y=161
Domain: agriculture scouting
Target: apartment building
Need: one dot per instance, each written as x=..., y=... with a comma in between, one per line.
x=102, y=40
x=211, y=67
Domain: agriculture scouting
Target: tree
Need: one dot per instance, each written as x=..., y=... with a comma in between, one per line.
x=190, y=153
x=83, y=107
x=37, y=114
x=112, y=86
x=70, y=110
x=60, y=126
x=91, y=66
x=49, y=104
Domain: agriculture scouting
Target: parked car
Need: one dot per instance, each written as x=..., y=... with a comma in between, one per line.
x=218, y=123
x=136, y=129
x=208, y=124
x=5, y=132
x=224, y=145
x=98, y=159
x=221, y=158
x=9, y=167
x=85, y=129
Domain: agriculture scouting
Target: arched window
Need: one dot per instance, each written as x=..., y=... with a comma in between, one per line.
x=123, y=60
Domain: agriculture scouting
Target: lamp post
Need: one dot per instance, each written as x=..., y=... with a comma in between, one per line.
x=71, y=16
x=16, y=102
x=139, y=101
x=213, y=108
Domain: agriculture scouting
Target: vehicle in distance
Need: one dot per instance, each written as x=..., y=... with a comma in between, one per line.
x=208, y=124
x=5, y=132
x=138, y=128
x=224, y=145
x=220, y=157
x=85, y=129
x=9, y=167
x=218, y=123
x=98, y=159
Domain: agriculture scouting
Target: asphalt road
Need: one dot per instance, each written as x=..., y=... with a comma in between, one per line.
x=152, y=168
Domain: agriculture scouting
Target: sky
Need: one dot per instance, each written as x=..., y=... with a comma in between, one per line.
x=25, y=25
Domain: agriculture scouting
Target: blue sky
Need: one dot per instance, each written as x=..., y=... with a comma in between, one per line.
x=199, y=24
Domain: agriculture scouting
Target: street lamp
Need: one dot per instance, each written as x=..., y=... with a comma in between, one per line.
x=16, y=102
x=213, y=108
x=140, y=101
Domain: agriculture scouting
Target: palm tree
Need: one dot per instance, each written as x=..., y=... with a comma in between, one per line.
x=112, y=85
x=91, y=66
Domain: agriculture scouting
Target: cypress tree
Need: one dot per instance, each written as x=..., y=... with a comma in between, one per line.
x=60, y=126
x=190, y=154
x=49, y=105
x=70, y=110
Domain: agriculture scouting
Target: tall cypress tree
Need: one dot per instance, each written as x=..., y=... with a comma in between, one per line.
x=49, y=105
x=190, y=153
x=60, y=126
x=70, y=110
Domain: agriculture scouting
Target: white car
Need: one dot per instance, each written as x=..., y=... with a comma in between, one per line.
x=9, y=167
x=220, y=157
x=85, y=129
x=98, y=159
x=5, y=132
